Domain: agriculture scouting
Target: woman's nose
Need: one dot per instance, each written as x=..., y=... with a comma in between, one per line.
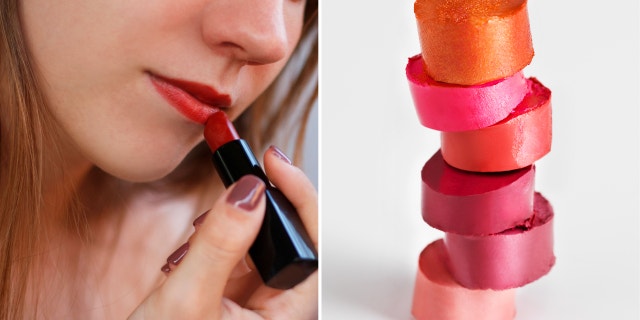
x=252, y=31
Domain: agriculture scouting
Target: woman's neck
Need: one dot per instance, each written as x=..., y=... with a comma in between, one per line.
x=111, y=236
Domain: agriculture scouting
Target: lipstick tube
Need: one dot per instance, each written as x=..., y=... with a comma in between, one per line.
x=283, y=252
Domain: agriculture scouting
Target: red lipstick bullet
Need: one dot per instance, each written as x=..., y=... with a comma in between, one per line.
x=283, y=252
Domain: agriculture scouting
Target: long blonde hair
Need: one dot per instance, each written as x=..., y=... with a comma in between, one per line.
x=24, y=120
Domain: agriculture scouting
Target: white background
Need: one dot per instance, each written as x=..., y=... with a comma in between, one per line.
x=372, y=149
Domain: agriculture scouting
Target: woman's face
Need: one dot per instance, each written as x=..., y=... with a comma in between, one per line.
x=129, y=80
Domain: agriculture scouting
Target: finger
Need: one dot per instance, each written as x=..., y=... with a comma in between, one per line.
x=222, y=240
x=299, y=302
x=295, y=185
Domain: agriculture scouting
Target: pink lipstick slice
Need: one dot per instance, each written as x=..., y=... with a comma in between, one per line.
x=449, y=107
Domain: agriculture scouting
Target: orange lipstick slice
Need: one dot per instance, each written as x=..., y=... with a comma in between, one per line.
x=470, y=42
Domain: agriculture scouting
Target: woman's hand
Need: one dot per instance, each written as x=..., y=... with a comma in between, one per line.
x=194, y=288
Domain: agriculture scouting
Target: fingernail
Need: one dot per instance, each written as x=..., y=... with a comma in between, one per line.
x=177, y=255
x=200, y=219
x=246, y=193
x=279, y=154
x=166, y=268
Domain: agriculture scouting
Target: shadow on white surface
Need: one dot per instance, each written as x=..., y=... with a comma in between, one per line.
x=387, y=295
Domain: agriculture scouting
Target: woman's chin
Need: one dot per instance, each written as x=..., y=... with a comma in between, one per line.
x=141, y=173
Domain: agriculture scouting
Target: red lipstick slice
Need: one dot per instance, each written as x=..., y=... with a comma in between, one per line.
x=474, y=203
x=219, y=130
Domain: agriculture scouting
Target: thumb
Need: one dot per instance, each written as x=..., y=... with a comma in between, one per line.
x=220, y=242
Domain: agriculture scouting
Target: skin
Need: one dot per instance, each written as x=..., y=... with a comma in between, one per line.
x=93, y=59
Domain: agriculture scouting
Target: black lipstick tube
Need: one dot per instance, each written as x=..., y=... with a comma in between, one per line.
x=283, y=253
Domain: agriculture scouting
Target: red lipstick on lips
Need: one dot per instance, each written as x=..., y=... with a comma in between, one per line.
x=282, y=252
x=194, y=100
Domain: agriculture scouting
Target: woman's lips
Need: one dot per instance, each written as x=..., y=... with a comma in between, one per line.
x=194, y=100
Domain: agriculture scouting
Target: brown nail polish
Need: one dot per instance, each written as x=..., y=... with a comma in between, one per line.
x=177, y=255
x=246, y=193
x=279, y=154
x=166, y=268
x=200, y=219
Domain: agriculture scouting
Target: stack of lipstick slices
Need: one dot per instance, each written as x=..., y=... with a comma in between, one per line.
x=478, y=188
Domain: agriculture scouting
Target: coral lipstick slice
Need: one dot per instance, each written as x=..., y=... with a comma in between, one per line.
x=437, y=295
x=283, y=252
x=515, y=142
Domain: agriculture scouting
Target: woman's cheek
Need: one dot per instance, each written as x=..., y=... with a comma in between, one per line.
x=141, y=155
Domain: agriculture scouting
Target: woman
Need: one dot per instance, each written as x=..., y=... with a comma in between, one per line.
x=102, y=173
